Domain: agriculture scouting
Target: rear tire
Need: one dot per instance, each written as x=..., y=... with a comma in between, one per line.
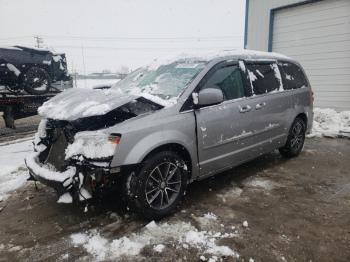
x=295, y=140
x=156, y=190
x=36, y=81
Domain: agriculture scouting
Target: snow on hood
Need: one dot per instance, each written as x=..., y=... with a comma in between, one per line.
x=77, y=103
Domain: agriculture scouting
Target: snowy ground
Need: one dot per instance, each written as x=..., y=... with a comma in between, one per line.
x=199, y=232
x=270, y=209
x=327, y=122
x=13, y=173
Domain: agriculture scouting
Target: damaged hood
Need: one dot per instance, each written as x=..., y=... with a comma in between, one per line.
x=78, y=103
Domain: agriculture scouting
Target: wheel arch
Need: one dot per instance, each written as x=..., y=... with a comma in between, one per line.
x=302, y=116
x=177, y=148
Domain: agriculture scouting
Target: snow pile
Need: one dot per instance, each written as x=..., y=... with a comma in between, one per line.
x=234, y=192
x=180, y=234
x=91, y=145
x=330, y=123
x=13, y=173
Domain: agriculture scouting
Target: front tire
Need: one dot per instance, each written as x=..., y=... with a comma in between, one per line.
x=156, y=190
x=36, y=81
x=295, y=140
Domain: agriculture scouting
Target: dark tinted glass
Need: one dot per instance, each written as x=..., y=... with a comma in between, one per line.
x=229, y=80
x=292, y=75
x=263, y=77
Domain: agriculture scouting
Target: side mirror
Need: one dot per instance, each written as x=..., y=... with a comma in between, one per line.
x=208, y=97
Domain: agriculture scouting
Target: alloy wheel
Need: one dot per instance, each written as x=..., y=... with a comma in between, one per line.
x=297, y=136
x=163, y=185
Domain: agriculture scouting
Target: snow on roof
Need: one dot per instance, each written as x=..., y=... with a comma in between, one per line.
x=207, y=56
x=10, y=47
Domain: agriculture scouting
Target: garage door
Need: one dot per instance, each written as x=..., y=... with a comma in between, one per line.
x=318, y=35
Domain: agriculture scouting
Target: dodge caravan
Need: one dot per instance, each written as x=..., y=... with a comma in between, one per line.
x=168, y=124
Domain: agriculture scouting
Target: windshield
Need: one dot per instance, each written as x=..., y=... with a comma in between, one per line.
x=166, y=81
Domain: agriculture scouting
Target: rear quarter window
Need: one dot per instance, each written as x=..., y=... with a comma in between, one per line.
x=292, y=75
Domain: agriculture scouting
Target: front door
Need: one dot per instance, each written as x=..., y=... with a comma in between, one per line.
x=224, y=131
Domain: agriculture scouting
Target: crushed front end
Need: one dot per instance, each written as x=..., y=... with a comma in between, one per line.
x=76, y=163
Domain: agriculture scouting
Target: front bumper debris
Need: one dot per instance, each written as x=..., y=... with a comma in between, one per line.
x=48, y=176
x=68, y=184
x=77, y=183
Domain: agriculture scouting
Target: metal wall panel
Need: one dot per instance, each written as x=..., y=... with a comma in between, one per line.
x=318, y=36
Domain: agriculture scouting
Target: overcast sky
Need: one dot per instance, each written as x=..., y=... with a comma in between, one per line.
x=112, y=33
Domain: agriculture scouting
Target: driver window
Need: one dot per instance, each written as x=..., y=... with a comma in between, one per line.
x=229, y=80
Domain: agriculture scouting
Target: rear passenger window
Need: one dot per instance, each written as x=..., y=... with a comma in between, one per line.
x=292, y=76
x=229, y=80
x=264, y=77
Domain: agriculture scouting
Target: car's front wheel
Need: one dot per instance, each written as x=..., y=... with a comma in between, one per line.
x=157, y=188
x=295, y=140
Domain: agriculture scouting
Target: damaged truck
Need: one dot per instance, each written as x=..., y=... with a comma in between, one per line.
x=33, y=70
x=28, y=78
x=168, y=124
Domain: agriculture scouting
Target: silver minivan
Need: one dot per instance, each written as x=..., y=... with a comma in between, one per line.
x=168, y=124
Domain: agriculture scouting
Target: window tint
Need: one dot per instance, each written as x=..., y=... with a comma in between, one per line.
x=292, y=75
x=229, y=80
x=263, y=77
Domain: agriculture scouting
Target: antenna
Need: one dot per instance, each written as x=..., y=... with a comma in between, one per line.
x=39, y=40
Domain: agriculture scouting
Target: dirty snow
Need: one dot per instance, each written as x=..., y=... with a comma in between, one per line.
x=66, y=198
x=259, y=182
x=13, y=173
x=180, y=234
x=245, y=224
x=159, y=248
x=233, y=192
x=330, y=123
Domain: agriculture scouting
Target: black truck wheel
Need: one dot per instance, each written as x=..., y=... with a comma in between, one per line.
x=155, y=191
x=36, y=81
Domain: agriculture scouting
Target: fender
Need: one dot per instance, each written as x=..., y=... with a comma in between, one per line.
x=147, y=144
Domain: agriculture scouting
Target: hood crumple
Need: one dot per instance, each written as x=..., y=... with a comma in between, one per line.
x=80, y=103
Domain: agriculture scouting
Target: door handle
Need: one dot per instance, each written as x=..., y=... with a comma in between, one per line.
x=260, y=105
x=244, y=109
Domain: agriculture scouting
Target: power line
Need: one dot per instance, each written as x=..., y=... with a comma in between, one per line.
x=134, y=39
x=145, y=38
x=145, y=48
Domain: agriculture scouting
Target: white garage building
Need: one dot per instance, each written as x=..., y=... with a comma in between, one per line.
x=316, y=33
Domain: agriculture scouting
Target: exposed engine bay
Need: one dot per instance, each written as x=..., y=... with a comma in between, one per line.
x=76, y=161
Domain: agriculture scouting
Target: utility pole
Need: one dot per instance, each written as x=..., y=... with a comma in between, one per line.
x=39, y=40
x=82, y=54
